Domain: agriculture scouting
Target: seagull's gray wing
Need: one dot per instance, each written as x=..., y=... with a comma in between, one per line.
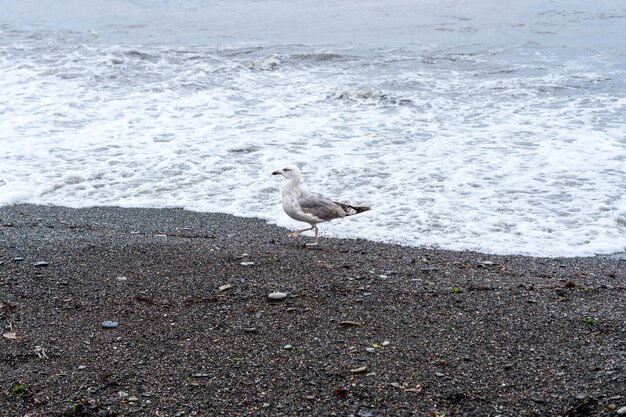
x=319, y=206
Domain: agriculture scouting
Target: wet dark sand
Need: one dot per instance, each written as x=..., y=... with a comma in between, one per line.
x=459, y=333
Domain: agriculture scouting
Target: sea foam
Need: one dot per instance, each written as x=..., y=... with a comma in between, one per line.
x=509, y=149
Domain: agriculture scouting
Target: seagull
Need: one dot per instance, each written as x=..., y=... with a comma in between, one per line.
x=308, y=207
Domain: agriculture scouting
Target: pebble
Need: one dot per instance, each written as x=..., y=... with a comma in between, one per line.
x=439, y=374
x=363, y=413
x=250, y=329
x=386, y=343
x=81, y=367
x=18, y=259
x=247, y=263
x=120, y=278
x=359, y=370
x=277, y=296
x=581, y=396
x=107, y=324
x=370, y=349
x=621, y=411
x=310, y=397
x=288, y=347
x=40, y=264
x=350, y=323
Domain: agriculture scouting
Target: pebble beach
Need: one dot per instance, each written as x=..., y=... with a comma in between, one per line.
x=167, y=312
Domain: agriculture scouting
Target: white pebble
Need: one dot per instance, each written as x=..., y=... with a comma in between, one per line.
x=277, y=295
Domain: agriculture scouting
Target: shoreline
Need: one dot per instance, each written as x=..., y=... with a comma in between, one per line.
x=366, y=328
x=620, y=255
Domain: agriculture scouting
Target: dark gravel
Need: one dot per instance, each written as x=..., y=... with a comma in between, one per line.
x=459, y=333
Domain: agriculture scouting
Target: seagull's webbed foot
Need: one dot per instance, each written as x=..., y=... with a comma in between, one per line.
x=297, y=232
x=317, y=242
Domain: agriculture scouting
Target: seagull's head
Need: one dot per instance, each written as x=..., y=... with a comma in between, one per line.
x=289, y=172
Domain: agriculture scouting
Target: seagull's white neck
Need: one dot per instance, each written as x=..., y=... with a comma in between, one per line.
x=291, y=183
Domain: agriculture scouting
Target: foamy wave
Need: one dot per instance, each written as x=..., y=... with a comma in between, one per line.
x=264, y=64
x=368, y=97
x=487, y=151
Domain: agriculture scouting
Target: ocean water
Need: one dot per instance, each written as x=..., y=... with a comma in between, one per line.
x=481, y=125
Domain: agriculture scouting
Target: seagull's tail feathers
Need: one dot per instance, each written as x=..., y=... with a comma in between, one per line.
x=352, y=210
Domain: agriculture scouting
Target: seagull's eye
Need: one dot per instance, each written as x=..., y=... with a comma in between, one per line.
x=286, y=170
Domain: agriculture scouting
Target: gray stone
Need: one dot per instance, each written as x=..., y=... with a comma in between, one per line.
x=277, y=296
x=107, y=324
x=622, y=411
x=40, y=264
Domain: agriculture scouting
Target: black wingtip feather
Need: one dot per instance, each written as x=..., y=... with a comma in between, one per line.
x=360, y=209
x=352, y=210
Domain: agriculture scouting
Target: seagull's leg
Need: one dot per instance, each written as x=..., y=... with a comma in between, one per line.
x=317, y=242
x=297, y=232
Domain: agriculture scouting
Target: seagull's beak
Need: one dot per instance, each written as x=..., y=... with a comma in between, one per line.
x=276, y=173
